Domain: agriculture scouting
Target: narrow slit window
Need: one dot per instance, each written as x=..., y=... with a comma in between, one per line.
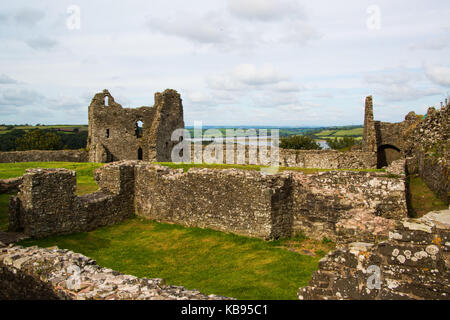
x=140, y=155
x=106, y=101
x=139, y=129
x=107, y=133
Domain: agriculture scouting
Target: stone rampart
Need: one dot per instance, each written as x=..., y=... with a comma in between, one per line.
x=44, y=156
x=46, y=203
x=323, y=159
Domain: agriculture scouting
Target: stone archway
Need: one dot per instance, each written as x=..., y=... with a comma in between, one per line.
x=387, y=153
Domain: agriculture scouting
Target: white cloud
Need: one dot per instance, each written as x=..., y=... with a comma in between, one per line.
x=245, y=25
x=259, y=86
x=265, y=10
x=205, y=29
x=438, y=74
x=29, y=17
x=5, y=79
x=41, y=42
x=400, y=85
x=251, y=75
x=19, y=97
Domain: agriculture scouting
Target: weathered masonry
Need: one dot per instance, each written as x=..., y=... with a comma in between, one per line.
x=244, y=202
x=144, y=133
x=412, y=264
x=49, y=274
x=423, y=140
x=46, y=203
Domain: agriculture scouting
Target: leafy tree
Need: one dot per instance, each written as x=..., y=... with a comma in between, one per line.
x=8, y=139
x=344, y=143
x=38, y=139
x=299, y=143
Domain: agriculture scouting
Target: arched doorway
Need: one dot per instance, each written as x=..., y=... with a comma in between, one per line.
x=386, y=154
x=140, y=155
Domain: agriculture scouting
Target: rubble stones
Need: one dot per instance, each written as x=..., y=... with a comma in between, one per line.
x=52, y=273
x=413, y=264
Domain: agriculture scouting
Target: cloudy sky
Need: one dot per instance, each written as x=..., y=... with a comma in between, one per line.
x=234, y=62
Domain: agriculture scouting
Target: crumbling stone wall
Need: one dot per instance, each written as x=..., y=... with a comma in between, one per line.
x=323, y=159
x=240, y=201
x=267, y=206
x=424, y=141
x=369, y=140
x=55, y=274
x=46, y=203
x=387, y=140
x=114, y=134
x=324, y=200
x=245, y=202
x=428, y=148
x=10, y=185
x=44, y=156
x=413, y=264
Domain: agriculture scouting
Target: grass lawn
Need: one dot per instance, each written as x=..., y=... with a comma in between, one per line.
x=85, y=178
x=4, y=201
x=422, y=199
x=203, y=259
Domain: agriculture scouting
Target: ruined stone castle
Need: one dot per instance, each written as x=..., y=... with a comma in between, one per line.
x=117, y=133
x=364, y=212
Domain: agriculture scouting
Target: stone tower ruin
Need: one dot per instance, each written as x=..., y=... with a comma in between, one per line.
x=117, y=133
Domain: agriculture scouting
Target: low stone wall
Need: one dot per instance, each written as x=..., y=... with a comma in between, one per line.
x=10, y=185
x=246, y=202
x=53, y=274
x=323, y=159
x=240, y=201
x=269, y=206
x=321, y=200
x=46, y=203
x=44, y=156
x=328, y=159
x=412, y=264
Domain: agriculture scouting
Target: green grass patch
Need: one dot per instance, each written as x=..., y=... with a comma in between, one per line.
x=328, y=133
x=203, y=259
x=422, y=199
x=85, y=172
x=4, y=218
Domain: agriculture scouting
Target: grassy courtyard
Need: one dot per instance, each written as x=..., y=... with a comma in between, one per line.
x=203, y=259
x=207, y=260
x=85, y=178
x=422, y=199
